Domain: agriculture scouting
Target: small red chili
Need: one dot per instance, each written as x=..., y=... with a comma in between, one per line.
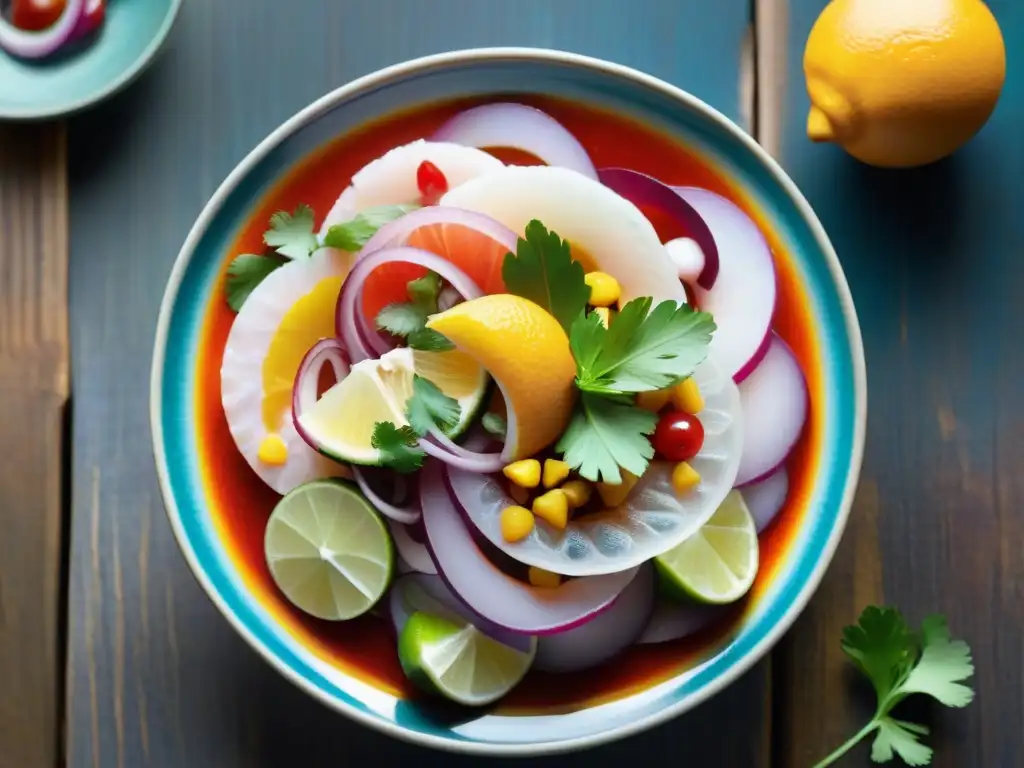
x=431, y=182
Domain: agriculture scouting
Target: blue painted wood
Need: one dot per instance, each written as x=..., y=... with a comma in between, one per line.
x=934, y=260
x=156, y=676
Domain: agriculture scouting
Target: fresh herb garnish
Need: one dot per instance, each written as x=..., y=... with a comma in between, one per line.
x=399, y=447
x=401, y=319
x=354, y=234
x=543, y=271
x=424, y=291
x=644, y=349
x=291, y=234
x=409, y=318
x=606, y=433
x=245, y=272
x=899, y=663
x=494, y=424
x=429, y=407
x=428, y=340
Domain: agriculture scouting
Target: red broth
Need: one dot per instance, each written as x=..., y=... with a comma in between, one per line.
x=240, y=503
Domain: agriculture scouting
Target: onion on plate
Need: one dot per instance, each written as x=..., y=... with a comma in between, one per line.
x=414, y=553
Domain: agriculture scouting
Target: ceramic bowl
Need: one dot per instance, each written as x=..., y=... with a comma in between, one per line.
x=130, y=37
x=801, y=545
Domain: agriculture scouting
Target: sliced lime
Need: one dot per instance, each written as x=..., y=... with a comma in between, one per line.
x=328, y=550
x=458, y=661
x=719, y=562
x=341, y=423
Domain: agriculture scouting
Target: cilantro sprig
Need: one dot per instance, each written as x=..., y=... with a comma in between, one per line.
x=245, y=272
x=408, y=319
x=607, y=433
x=900, y=663
x=354, y=234
x=427, y=409
x=291, y=234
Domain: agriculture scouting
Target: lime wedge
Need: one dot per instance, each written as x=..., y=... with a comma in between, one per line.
x=341, y=423
x=719, y=562
x=458, y=661
x=328, y=550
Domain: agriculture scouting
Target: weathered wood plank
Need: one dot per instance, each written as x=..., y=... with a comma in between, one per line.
x=156, y=676
x=33, y=394
x=933, y=256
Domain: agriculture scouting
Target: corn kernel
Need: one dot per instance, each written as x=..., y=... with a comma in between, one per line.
x=613, y=495
x=545, y=579
x=525, y=473
x=272, y=451
x=555, y=471
x=686, y=396
x=684, y=477
x=553, y=507
x=577, y=492
x=516, y=523
x=604, y=315
x=653, y=401
x=604, y=289
x=519, y=495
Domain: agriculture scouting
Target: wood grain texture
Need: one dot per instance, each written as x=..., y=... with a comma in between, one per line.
x=935, y=259
x=156, y=677
x=33, y=394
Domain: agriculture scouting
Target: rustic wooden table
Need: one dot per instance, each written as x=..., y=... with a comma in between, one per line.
x=110, y=655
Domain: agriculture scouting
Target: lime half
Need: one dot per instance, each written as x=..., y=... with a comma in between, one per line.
x=719, y=562
x=341, y=422
x=458, y=661
x=328, y=550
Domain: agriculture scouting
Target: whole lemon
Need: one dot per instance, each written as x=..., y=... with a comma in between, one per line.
x=900, y=83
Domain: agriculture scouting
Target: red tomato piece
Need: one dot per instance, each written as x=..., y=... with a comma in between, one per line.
x=431, y=182
x=679, y=436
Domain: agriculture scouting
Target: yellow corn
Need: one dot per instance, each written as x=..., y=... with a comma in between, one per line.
x=653, y=401
x=525, y=473
x=555, y=471
x=552, y=507
x=604, y=289
x=272, y=451
x=545, y=579
x=613, y=495
x=518, y=494
x=684, y=477
x=516, y=523
x=604, y=315
x=577, y=492
x=686, y=396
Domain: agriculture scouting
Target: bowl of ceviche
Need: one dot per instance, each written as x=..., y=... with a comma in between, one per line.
x=512, y=383
x=60, y=56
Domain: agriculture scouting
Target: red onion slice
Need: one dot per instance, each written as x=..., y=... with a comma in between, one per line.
x=347, y=318
x=646, y=191
x=398, y=232
x=412, y=552
x=767, y=498
x=604, y=637
x=403, y=515
x=307, y=380
x=674, y=620
x=444, y=449
x=517, y=126
x=499, y=598
x=36, y=45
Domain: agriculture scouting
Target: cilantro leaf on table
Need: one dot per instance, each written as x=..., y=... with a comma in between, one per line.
x=352, y=235
x=900, y=663
x=429, y=407
x=428, y=340
x=399, y=447
x=543, y=271
x=643, y=350
x=244, y=273
x=607, y=433
x=291, y=234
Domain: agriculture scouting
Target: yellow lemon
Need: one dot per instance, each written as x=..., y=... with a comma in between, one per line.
x=900, y=83
x=527, y=352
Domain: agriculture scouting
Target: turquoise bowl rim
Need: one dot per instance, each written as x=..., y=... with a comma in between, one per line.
x=126, y=77
x=847, y=457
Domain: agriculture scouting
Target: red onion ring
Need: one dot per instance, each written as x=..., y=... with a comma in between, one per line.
x=643, y=190
x=403, y=515
x=307, y=380
x=414, y=553
x=441, y=447
x=36, y=45
x=397, y=232
x=348, y=312
x=517, y=126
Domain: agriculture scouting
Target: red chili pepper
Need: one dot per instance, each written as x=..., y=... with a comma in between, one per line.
x=37, y=15
x=431, y=182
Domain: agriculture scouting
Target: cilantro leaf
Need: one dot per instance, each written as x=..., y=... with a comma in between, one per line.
x=423, y=291
x=606, y=433
x=429, y=340
x=543, y=271
x=899, y=663
x=494, y=424
x=429, y=407
x=245, y=272
x=354, y=234
x=399, y=447
x=291, y=234
x=643, y=350
x=401, y=319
